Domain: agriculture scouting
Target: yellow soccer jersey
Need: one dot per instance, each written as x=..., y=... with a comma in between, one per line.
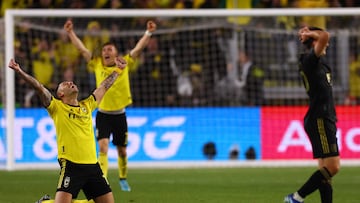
x=119, y=94
x=74, y=130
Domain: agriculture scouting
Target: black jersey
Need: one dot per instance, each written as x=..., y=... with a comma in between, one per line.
x=316, y=76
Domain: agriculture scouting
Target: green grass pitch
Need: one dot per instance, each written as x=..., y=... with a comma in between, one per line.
x=195, y=185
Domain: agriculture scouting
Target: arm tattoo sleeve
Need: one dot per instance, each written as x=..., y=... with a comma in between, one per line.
x=110, y=80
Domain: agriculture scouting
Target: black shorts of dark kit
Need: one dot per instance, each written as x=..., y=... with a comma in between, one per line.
x=322, y=135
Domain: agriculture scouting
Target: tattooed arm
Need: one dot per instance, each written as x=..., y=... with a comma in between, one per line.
x=104, y=86
x=43, y=93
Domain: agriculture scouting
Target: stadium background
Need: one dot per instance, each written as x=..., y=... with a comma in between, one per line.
x=183, y=85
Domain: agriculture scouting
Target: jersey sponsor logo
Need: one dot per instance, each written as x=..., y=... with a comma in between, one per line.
x=72, y=115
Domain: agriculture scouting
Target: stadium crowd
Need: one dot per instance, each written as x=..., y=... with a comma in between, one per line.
x=171, y=4
x=163, y=75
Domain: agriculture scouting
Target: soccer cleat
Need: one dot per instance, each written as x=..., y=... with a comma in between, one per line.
x=290, y=199
x=124, y=185
x=45, y=197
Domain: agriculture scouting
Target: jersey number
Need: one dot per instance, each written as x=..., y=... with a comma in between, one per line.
x=305, y=81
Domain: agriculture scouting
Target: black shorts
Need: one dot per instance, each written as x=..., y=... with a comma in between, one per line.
x=115, y=124
x=322, y=135
x=88, y=177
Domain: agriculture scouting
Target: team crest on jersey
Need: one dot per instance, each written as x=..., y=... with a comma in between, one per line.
x=83, y=109
x=328, y=77
x=66, y=181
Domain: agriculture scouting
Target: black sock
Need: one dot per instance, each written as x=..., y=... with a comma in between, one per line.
x=314, y=182
x=326, y=192
x=325, y=187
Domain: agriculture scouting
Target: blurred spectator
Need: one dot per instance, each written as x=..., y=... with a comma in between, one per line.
x=353, y=97
x=78, y=4
x=95, y=36
x=250, y=153
x=200, y=94
x=202, y=60
x=197, y=76
x=209, y=150
x=288, y=23
x=209, y=4
x=184, y=89
x=21, y=85
x=114, y=4
x=181, y=4
x=244, y=4
x=93, y=39
x=25, y=38
x=247, y=88
x=70, y=63
x=43, y=62
x=154, y=82
x=349, y=3
x=285, y=22
x=252, y=80
x=16, y=4
x=68, y=75
x=65, y=54
x=155, y=4
x=234, y=152
x=315, y=21
x=44, y=4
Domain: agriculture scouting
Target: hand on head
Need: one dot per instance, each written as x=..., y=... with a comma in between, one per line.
x=303, y=34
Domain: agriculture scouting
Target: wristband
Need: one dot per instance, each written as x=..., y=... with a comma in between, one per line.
x=148, y=33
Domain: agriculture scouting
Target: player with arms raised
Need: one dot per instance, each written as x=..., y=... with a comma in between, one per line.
x=111, y=117
x=75, y=137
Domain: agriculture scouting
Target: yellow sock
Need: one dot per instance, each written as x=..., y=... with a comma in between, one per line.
x=122, y=163
x=83, y=201
x=104, y=163
x=74, y=201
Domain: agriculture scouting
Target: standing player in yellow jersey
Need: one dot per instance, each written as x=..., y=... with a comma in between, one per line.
x=111, y=117
x=75, y=136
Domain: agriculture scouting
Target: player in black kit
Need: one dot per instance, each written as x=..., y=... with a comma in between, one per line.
x=320, y=119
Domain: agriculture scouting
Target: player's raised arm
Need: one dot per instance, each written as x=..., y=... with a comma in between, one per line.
x=44, y=94
x=322, y=42
x=143, y=42
x=69, y=28
x=104, y=86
